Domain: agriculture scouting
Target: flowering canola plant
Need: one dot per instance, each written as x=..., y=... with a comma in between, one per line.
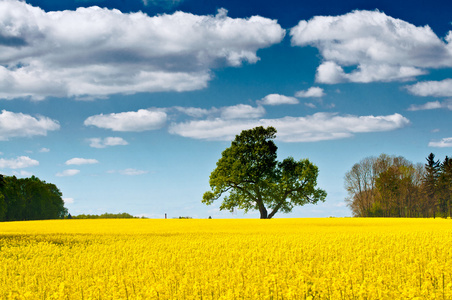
x=335, y=258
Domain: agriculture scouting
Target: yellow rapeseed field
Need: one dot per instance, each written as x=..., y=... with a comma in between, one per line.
x=227, y=259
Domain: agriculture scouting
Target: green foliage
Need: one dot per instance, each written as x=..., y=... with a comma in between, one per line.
x=29, y=199
x=390, y=186
x=252, y=179
x=444, y=187
x=430, y=182
x=105, y=216
x=3, y=207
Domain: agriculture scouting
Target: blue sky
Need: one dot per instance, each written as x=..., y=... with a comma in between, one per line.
x=127, y=105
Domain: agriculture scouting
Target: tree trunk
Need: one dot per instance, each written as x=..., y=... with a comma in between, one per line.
x=450, y=216
x=263, y=211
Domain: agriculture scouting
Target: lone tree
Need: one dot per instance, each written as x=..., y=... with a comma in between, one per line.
x=251, y=177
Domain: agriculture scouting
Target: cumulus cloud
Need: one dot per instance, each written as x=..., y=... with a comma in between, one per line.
x=18, y=163
x=330, y=72
x=22, y=125
x=44, y=150
x=96, y=52
x=317, y=127
x=431, y=105
x=141, y=120
x=276, y=99
x=381, y=48
x=443, y=143
x=67, y=173
x=432, y=88
x=242, y=111
x=81, y=161
x=107, y=142
x=312, y=92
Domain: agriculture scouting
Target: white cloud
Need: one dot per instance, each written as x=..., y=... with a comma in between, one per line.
x=18, y=163
x=129, y=172
x=22, y=125
x=242, y=111
x=330, y=72
x=431, y=105
x=81, y=161
x=312, y=92
x=381, y=48
x=68, y=200
x=132, y=172
x=106, y=142
x=317, y=127
x=96, y=52
x=444, y=143
x=141, y=120
x=23, y=173
x=432, y=88
x=194, y=112
x=66, y=173
x=239, y=111
x=215, y=129
x=44, y=150
x=276, y=99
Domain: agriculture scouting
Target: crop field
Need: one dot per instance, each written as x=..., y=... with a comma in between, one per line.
x=227, y=259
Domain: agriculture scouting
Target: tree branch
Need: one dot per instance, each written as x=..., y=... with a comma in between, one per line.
x=275, y=210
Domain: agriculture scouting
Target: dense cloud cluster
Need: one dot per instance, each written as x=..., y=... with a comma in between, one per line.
x=313, y=128
x=381, y=48
x=225, y=122
x=97, y=52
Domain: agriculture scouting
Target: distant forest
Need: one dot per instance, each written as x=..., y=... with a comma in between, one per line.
x=390, y=186
x=33, y=199
x=104, y=216
x=29, y=199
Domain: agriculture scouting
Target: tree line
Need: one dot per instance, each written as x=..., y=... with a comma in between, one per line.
x=104, y=216
x=392, y=186
x=29, y=199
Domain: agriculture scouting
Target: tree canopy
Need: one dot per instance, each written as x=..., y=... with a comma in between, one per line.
x=250, y=177
x=29, y=199
x=391, y=186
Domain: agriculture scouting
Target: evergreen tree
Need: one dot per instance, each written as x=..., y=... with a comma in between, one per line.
x=430, y=185
x=445, y=188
